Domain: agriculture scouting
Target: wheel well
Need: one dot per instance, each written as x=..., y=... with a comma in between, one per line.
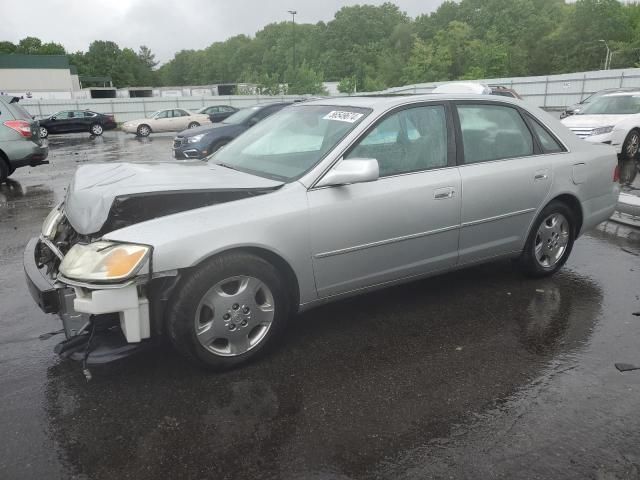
x=280, y=264
x=4, y=158
x=574, y=204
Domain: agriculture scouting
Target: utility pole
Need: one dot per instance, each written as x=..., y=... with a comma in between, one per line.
x=293, y=16
x=607, y=58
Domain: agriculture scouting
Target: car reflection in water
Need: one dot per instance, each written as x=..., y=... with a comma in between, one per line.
x=359, y=382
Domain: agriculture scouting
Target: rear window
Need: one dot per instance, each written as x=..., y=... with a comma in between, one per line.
x=19, y=112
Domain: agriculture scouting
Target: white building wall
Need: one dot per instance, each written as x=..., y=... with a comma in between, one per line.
x=35, y=80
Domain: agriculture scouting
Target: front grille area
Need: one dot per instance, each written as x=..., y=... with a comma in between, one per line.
x=65, y=238
x=582, y=132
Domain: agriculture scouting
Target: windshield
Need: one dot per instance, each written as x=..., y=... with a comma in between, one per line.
x=287, y=144
x=241, y=115
x=613, y=105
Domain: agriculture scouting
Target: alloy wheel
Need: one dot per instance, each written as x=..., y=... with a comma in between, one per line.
x=234, y=316
x=633, y=143
x=552, y=239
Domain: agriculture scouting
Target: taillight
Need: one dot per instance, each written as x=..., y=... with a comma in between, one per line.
x=616, y=173
x=20, y=126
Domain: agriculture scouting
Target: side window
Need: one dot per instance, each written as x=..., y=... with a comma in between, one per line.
x=410, y=140
x=549, y=144
x=164, y=114
x=62, y=115
x=180, y=113
x=493, y=132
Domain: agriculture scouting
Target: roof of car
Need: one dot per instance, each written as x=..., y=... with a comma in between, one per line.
x=387, y=101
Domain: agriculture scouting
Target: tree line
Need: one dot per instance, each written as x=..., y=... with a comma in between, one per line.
x=369, y=48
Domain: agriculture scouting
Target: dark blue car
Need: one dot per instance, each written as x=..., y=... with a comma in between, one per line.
x=202, y=141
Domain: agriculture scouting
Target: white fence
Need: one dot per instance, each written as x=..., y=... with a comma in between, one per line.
x=132, y=108
x=552, y=91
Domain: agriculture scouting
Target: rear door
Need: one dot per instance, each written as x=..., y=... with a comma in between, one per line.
x=505, y=174
x=181, y=120
x=404, y=224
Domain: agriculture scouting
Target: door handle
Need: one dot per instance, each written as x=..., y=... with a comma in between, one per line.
x=444, y=193
x=541, y=175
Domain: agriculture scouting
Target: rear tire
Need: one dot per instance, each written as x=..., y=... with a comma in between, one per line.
x=228, y=311
x=96, y=129
x=143, y=130
x=5, y=171
x=44, y=132
x=193, y=125
x=550, y=241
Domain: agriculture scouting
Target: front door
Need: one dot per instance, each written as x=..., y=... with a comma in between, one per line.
x=505, y=179
x=406, y=223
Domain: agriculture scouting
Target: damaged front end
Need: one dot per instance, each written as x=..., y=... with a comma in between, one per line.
x=106, y=293
x=100, y=290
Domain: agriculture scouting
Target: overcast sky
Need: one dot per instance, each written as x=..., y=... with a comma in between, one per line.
x=168, y=27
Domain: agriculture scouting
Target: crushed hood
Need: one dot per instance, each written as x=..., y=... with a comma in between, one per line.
x=105, y=197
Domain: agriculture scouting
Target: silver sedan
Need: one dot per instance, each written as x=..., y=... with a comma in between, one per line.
x=326, y=199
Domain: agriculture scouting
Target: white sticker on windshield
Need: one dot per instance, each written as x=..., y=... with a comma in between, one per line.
x=350, y=117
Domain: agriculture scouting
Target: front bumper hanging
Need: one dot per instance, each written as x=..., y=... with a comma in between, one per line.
x=117, y=317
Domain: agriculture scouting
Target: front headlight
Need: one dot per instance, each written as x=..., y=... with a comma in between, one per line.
x=602, y=130
x=195, y=138
x=103, y=261
x=50, y=224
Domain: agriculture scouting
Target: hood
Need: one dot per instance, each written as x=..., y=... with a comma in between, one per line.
x=106, y=197
x=219, y=128
x=593, y=121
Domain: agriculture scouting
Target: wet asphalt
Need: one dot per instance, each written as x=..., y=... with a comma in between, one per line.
x=476, y=374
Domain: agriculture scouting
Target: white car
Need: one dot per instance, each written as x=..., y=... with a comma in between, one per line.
x=171, y=120
x=612, y=119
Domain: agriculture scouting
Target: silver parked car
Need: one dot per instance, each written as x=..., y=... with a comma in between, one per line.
x=323, y=200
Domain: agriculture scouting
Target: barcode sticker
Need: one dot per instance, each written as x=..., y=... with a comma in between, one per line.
x=350, y=117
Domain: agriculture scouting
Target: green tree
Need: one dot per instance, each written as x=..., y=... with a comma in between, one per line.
x=304, y=80
x=7, y=47
x=347, y=85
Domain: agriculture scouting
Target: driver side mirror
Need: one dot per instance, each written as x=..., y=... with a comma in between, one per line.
x=252, y=121
x=353, y=170
x=54, y=118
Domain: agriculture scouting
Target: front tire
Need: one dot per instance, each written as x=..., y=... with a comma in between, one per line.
x=44, y=132
x=193, y=125
x=550, y=241
x=96, y=129
x=143, y=130
x=228, y=311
